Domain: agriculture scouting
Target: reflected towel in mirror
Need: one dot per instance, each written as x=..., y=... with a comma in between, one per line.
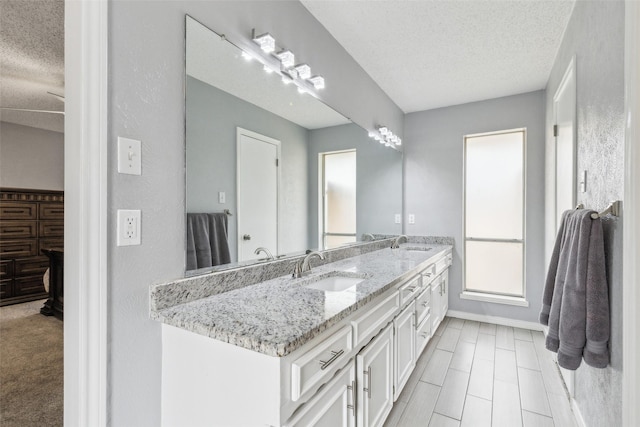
x=207, y=240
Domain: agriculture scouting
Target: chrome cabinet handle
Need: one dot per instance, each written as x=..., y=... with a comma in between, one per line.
x=424, y=335
x=412, y=288
x=334, y=357
x=352, y=387
x=246, y=237
x=368, y=389
x=426, y=303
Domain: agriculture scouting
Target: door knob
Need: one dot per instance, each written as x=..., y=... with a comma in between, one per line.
x=246, y=237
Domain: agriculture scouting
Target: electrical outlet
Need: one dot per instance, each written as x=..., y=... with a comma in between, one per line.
x=398, y=218
x=128, y=228
x=412, y=219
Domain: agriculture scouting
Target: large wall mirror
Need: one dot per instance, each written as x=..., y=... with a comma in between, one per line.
x=272, y=172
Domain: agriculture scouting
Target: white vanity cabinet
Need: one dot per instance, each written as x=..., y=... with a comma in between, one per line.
x=333, y=406
x=375, y=380
x=404, y=326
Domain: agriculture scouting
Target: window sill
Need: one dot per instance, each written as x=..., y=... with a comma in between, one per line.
x=497, y=299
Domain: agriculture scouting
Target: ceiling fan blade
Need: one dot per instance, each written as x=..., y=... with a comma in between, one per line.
x=60, y=97
x=32, y=111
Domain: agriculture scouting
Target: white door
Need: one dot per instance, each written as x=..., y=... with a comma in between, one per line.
x=338, y=207
x=375, y=380
x=564, y=107
x=333, y=406
x=405, y=347
x=257, y=157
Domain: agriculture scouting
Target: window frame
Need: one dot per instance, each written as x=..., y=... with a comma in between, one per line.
x=488, y=296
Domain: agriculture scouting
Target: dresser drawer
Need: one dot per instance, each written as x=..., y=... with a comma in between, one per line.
x=316, y=366
x=18, y=229
x=6, y=269
x=18, y=210
x=52, y=243
x=410, y=290
x=372, y=321
x=423, y=335
x=6, y=288
x=51, y=229
x=18, y=248
x=52, y=211
x=28, y=286
x=423, y=304
x=31, y=266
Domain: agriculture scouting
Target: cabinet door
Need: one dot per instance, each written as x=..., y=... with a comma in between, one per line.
x=333, y=406
x=375, y=380
x=444, y=302
x=405, y=347
x=436, y=304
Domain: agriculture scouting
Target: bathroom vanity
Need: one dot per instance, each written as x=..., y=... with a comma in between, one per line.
x=333, y=348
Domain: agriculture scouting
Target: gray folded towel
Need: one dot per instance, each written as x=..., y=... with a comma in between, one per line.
x=575, y=303
x=207, y=240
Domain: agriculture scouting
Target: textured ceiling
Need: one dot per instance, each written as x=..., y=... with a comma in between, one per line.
x=32, y=61
x=428, y=54
x=220, y=64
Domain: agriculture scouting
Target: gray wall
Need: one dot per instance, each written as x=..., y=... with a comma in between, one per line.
x=146, y=101
x=31, y=158
x=434, y=185
x=212, y=118
x=378, y=179
x=595, y=34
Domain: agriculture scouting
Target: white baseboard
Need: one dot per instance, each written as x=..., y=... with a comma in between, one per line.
x=497, y=320
x=577, y=414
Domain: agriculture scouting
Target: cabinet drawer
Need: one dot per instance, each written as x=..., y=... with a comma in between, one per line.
x=372, y=321
x=442, y=264
x=6, y=269
x=18, y=248
x=317, y=365
x=52, y=243
x=428, y=274
x=12, y=210
x=18, y=229
x=52, y=211
x=6, y=288
x=51, y=229
x=423, y=335
x=28, y=286
x=423, y=304
x=409, y=290
x=31, y=266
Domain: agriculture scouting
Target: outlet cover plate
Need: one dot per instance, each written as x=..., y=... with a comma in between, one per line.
x=128, y=229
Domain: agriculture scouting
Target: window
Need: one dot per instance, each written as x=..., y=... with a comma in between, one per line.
x=494, y=182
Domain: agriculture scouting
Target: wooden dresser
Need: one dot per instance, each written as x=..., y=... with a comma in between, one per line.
x=30, y=220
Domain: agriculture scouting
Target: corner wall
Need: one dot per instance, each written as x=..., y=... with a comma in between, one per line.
x=433, y=171
x=595, y=34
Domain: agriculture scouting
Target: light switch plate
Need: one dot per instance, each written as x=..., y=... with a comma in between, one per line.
x=129, y=156
x=128, y=229
x=398, y=219
x=222, y=197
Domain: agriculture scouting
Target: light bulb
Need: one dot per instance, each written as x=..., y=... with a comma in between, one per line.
x=266, y=42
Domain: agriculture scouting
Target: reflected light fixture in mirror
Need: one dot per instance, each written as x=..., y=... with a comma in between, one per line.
x=384, y=136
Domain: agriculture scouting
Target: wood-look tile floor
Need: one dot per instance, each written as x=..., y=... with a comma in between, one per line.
x=479, y=374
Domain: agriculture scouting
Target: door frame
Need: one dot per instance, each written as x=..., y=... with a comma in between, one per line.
x=86, y=207
x=240, y=131
x=568, y=376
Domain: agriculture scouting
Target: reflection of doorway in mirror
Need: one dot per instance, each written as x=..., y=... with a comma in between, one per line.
x=258, y=185
x=338, y=180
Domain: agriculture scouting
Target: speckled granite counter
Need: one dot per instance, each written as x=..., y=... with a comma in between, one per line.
x=278, y=316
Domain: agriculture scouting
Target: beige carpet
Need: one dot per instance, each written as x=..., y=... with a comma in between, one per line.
x=31, y=367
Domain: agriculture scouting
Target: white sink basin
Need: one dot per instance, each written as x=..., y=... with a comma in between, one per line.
x=416, y=249
x=335, y=283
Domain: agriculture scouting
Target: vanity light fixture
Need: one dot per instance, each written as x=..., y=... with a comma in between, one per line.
x=304, y=71
x=317, y=82
x=266, y=42
x=384, y=136
x=286, y=57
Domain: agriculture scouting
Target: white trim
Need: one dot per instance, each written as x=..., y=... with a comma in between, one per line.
x=631, y=235
x=494, y=298
x=85, y=269
x=577, y=414
x=523, y=324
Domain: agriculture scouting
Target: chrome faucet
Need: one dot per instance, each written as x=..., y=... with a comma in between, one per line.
x=303, y=265
x=368, y=237
x=265, y=250
x=396, y=242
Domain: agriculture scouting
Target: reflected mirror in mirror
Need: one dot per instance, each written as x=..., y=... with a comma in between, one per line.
x=272, y=172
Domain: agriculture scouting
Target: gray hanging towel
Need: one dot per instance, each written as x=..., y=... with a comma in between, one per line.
x=207, y=240
x=575, y=303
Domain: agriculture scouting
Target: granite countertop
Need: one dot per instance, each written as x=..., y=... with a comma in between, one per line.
x=278, y=316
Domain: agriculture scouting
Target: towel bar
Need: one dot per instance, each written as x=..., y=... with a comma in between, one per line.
x=228, y=212
x=613, y=209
